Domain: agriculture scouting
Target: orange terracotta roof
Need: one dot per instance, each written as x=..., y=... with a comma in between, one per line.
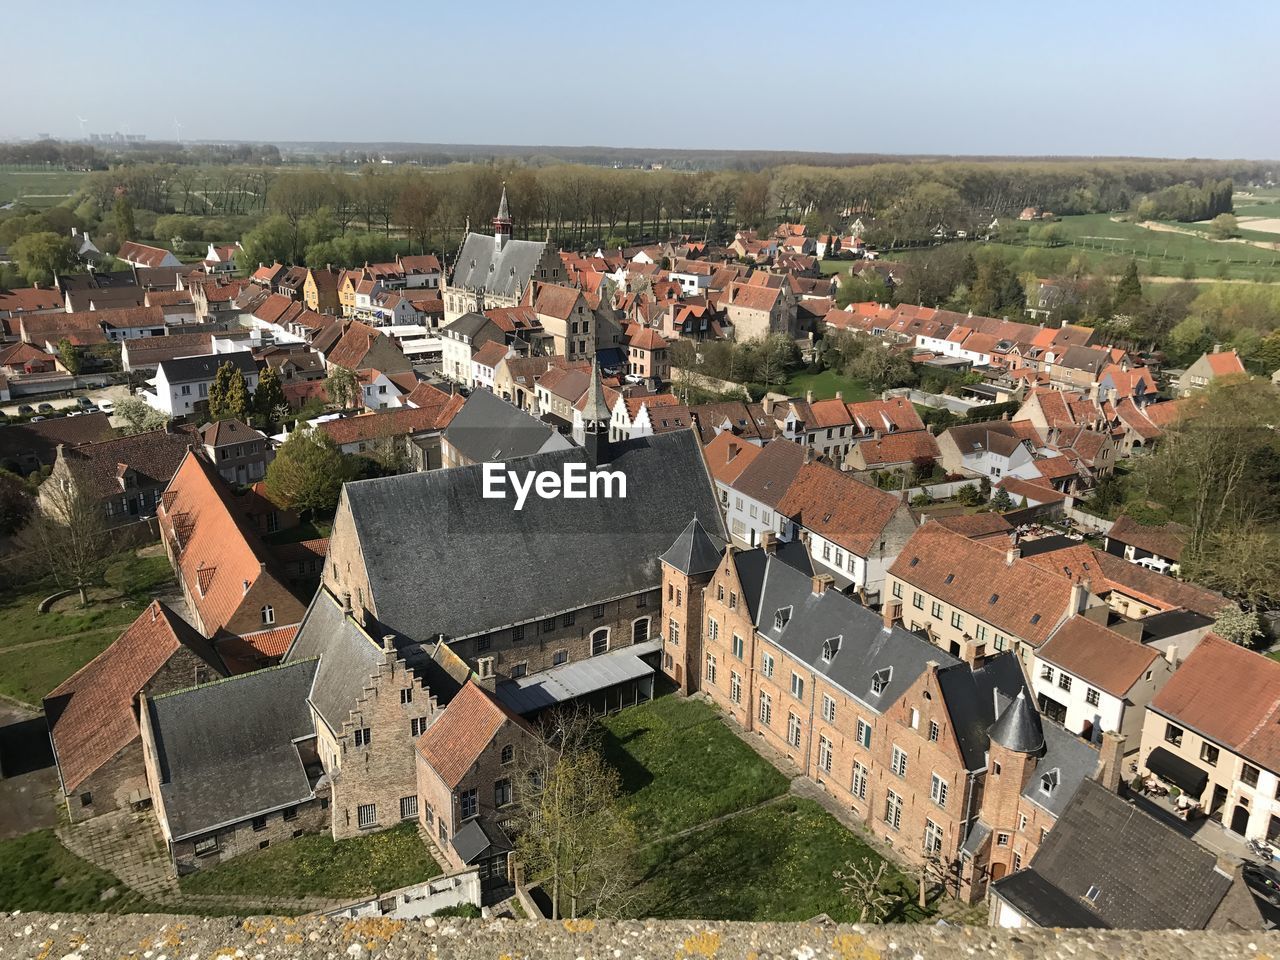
x=491, y=354
x=1229, y=694
x=28, y=299
x=1225, y=364
x=1167, y=540
x=895, y=448
x=1100, y=657
x=253, y=651
x=398, y=422
x=1107, y=573
x=834, y=505
x=457, y=738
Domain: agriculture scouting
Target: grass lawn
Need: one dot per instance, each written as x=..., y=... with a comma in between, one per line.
x=825, y=384
x=307, y=530
x=680, y=766
x=38, y=873
x=775, y=863
x=38, y=188
x=317, y=866
x=75, y=634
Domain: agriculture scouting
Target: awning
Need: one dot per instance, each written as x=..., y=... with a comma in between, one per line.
x=546, y=688
x=1171, y=768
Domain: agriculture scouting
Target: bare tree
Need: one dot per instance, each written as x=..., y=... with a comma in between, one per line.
x=863, y=883
x=575, y=839
x=67, y=536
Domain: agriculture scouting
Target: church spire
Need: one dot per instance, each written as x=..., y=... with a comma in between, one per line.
x=595, y=418
x=502, y=222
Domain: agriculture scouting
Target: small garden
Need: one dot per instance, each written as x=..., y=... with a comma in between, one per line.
x=38, y=873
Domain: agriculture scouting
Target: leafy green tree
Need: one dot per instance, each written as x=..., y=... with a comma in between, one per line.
x=1238, y=626
x=1224, y=225
x=228, y=394
x=342, y=388
x=126, y=228
x=40, y=256
x=882, y=369
x=309, y=471
x=69, y=354
x=1129, y=286
x=139, y=416
x=272, y=241
x=269, y=398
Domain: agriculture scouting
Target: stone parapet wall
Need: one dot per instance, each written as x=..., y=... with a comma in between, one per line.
x=90, y=937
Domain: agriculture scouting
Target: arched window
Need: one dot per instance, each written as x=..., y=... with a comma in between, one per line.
x=640, y=630
x=268, y=614
x=599, y=641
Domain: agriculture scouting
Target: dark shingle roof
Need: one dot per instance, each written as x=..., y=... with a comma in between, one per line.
x=190, y=369
x=226, y=750
x=488, y=428
x=694, y=552
x=1018, y=728
x=1149, y=877
x=348, y=658
x=504, y=273
x=430, y=540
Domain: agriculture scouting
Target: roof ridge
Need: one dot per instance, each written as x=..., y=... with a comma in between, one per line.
x=235, y=676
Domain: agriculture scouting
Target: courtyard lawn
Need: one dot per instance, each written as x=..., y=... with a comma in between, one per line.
x=38, y=873
x=317, y=866
x=307, y=530
x=775, y=863
x=825, y=384
x=681, y=766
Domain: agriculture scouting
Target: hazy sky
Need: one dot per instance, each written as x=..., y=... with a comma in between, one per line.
x=1126, y=77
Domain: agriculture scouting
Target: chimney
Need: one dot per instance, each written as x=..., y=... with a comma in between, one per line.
x=769, y=542
x=840, y=396
x=346, y=602
x=821, y=583
x=484, y=673
x=1171, y=654
x=1079, y=597
x=1010, y=555
x=1217, y=347
x=1110, y=761
x=733, y=452
x=808, y=396
x=389, y=642
x=767, y=404
x=888, y=613
x=808, y=454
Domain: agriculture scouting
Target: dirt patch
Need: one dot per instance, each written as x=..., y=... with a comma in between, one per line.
x=1261, y=224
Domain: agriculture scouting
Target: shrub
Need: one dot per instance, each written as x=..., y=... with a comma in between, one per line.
x=468, y=911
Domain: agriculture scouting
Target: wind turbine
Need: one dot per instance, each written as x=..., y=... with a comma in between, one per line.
x=83, y=121
x=177, y=126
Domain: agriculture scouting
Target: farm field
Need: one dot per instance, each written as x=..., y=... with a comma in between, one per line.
x=39, y=188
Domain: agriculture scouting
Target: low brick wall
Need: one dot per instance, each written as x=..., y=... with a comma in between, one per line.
x=80, y=937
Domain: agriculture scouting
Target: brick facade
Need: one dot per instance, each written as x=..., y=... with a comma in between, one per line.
x=250, y=835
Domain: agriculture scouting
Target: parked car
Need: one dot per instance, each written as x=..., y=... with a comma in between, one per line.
x=1264, y=881
x=92, y=408
x=107, y=406
x=84, y=403
x=25, y=409
x=45, y=408
x=38, y=419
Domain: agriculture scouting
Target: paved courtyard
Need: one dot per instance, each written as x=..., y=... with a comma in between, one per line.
x=127, y=844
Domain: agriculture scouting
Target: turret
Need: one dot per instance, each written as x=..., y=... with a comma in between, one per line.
x=502, y=222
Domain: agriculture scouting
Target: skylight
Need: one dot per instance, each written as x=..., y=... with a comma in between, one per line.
x=1035, y=618
x=914, y=561
x=994, y=598
x=950, y=577
x=1092, y=893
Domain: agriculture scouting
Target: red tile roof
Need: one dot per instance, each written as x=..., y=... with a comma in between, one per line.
x=457, y=738
x=91, y=713
x=1167, y=540
x=979, y=526
x=141, y=253
x=253, y=651
x=1018, y=488
x=1229, y=694
x=728, y=455
x=898, y=448
x=834, y=505
x=1107, y=573
x=770, y=474
x=491, y=354
x=1019, y=598
x=154, y=456
x=28, y=299
x=354, y=345
x=1100, y=657
x=400, y=422
x=1225, y=364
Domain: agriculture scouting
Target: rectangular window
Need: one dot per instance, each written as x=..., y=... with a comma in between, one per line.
x=501, y=792
x=1091, y=697
x=673, y=633
x=711, y=668
x=443, y=829
x=367, y=815
x=1249, y=775
x=766, y=664
x=738, y=646
x=518, y=670
x=957, y=620
x=935, y=610
x=290, y=814
x=828, y=709
x=362, y=736
x=859, y=786
x=549, y=625
x=418, y=726
x=406, y=695
x=893, y=810
x=259, y=824
x=797, y=686
x=1173, y=734
x=999, y=642
x=567, y=619
x=938, y=791
x=713, y=629
x=468, y=803
x=598, y=610
x=409, y=807
x=1002, y=839
x=917, y=601
x=559, y=657
x=899, y=762
x=517, y=633
x=1064, y=681
x=864, y=733
x=933, y=731
x=897, y=589
x=735, y=687
x=932, y=838
x=733, y=600
x=1022, y=821
x=766, y=708
x=824, y=754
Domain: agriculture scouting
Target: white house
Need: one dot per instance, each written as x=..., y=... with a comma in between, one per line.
x=220, y=259
x=993, y=450
x=182, y=383
x=1091, y=679
x=381, y=392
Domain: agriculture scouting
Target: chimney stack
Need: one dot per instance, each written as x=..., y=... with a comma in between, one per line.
x=389, y=642
x=808, y=396
x=840, y=396
x=1110, y=760
x=888, y=613
x=1010, y=555
x=769, y=542
x=485, y=675
x=1171, y=654
x=733, y=451
x=346, y=602
x=1079, y=597
x=821, y=583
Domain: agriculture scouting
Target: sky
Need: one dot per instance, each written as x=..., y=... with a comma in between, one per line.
x=1126, y=77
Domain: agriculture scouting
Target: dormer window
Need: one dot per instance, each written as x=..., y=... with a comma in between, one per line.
x=830, y=648
x=1049, y=783
x=781, y=618
x=880, y=680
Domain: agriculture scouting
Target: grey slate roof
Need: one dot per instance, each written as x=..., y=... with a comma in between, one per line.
x=487, y=428
x=1149, y=876
x=751, y=565
x=1069, y=760
x=441, y=558
x=694, y=552
x=1018, y=727
x=538, y=691
x=972, y=697
x=1044, y=904
x=348, y=657
x=866, y=647
x=469, y=324
x=502, y=272
x=226, y=749
x=191, y=369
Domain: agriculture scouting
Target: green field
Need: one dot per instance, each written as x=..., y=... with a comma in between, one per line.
x=38, y=873
x=825, y=384
x=38, y=188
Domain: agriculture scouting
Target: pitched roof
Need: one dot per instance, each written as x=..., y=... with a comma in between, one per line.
x=490, y=354
x=28, y=299
x=834, y=505
x=1229, y=694
x=555, y=300
x=1147, y=876
x=397, y=422
x=154, y=456
x=1100, y=657
x=347, y=656
x=1107, y=572
x=978, y=526
x=488, y=428
x=41, y=438
x=354, y=345
x=503, y=272
x=564, y=553
x=229, y=750
x=1166, y=540
x=894, y=448
x=192, y=369
x=222, y=432
x=91, y=714
x=728, y=455
x=140, y=253
x=1019, y=598
x=694, y=551
x=1225, y=363
x=454, y=741
x=770, y=473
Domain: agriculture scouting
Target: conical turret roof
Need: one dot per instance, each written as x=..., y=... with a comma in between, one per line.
x=1018, y=728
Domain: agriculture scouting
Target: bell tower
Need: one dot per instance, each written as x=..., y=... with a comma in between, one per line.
x=502, y=222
